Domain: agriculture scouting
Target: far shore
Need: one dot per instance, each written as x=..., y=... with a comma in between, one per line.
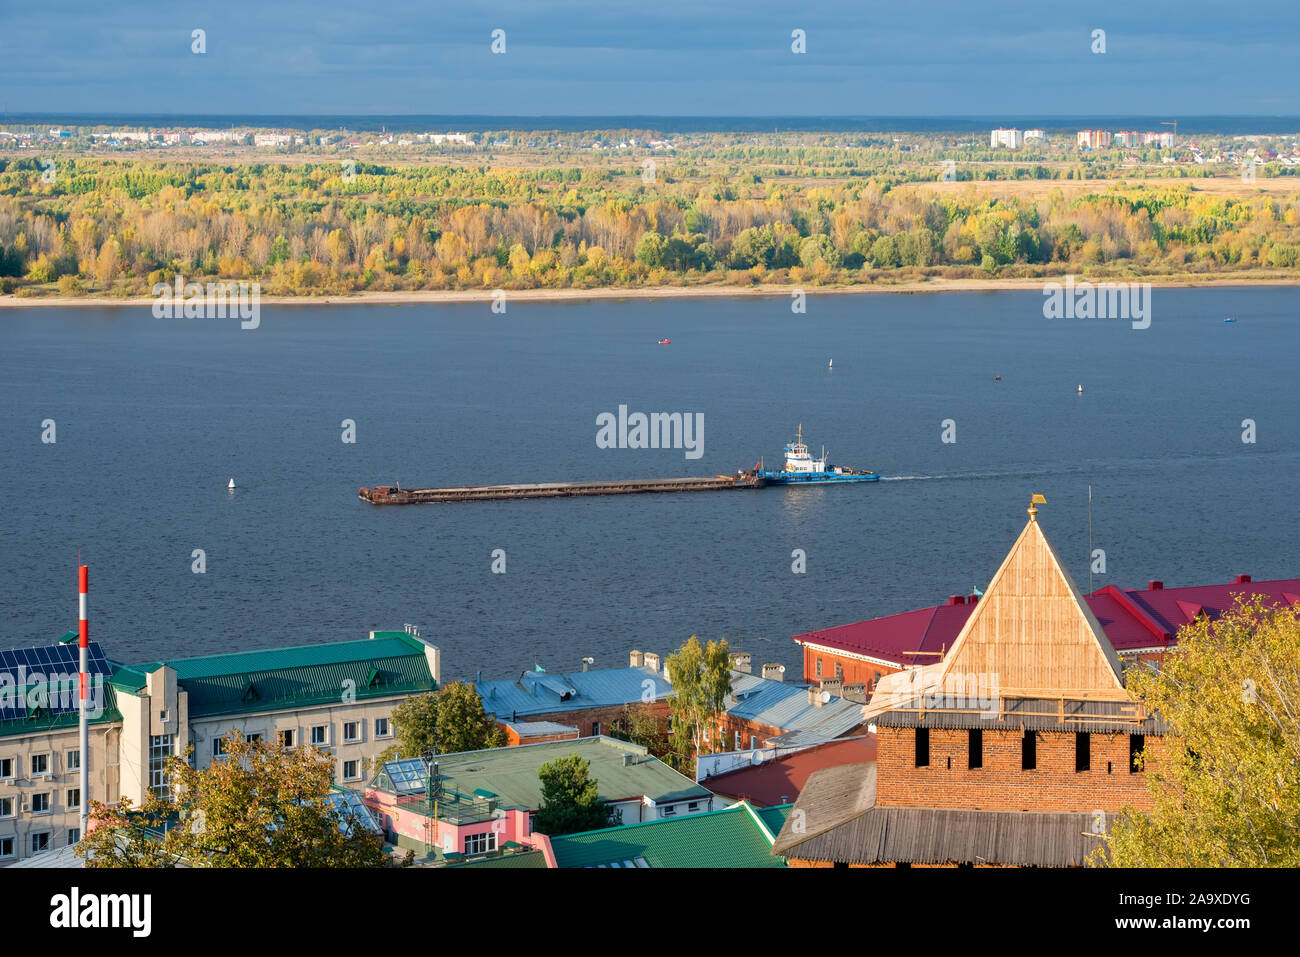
x=437, y=296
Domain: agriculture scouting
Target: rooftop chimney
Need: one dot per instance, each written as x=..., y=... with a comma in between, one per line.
x=1155, y=585
x=740, y=661
x=1243, y=579
x=833, y=685
x=587, y=663
x=651, y=660
x=637, y=659
x=972, y=599
x=773, y=671
x=956, y=599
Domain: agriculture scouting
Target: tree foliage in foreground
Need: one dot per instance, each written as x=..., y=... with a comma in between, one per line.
x=1226, y=786
x=262, y=805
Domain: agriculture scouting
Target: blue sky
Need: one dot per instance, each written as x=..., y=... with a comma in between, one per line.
x=657, y=57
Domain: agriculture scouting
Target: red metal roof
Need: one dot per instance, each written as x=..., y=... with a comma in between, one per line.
x=1132, y=618
x=779, y=781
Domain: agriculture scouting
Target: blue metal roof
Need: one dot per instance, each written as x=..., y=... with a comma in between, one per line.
x=538, y=692
x=787, y=707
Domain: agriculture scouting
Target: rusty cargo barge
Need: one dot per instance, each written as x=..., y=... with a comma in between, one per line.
x=395, y=495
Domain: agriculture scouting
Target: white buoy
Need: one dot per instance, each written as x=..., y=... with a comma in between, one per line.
x=830, y=363
x=231, y=485
x=1080, y=390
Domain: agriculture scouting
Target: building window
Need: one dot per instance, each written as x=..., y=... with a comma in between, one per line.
x=218, y=747
x=753, y=740
x=253, y=737
x=6, y=767
x=740, y=740
x=875, y=680
x=922, y=747
x=1029, y=751
x=73, y=798
x=351, y=731
x=351, y=770
x=286, y=738
x=381, y=728
x=41, y=803
x=73, y=762
x=318, y=735
x=817, y=667
x=1136, y=742
x=480, y=843
x=40, y=842
x=6, y=807
x=668, y=810
x=693, y=806
x=595, y=728
x=975, y=749
x=839, y=670
x=1082, y=751
x=40, y=764
x=6, y=847
x=74, y=836
x=160, y=749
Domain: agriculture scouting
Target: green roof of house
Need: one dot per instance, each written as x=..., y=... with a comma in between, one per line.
x=509, y=776
x=43, y=721
x=529, y=860
x=390, y=663
x=774, y=817
x=732, y=837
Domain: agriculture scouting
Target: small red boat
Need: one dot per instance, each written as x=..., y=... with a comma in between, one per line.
x=665, y=342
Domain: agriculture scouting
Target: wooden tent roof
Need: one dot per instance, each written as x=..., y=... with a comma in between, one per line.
x=1033, y=630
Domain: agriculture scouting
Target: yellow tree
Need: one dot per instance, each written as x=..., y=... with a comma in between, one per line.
x=1225, y=787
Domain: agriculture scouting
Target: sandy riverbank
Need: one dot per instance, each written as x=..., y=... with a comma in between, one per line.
x=437, y=296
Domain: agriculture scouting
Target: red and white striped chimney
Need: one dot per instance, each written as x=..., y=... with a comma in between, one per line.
x=83, y=724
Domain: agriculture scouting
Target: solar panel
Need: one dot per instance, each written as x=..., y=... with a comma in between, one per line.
x=45, y=678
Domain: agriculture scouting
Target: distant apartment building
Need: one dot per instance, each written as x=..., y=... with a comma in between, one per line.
x=272, y=139
x=1093, y=139
x=1034, y=135
x=338, y=697
x=1010, y=139
x=1128, y=138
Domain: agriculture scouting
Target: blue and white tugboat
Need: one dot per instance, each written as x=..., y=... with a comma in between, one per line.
x=802, y=469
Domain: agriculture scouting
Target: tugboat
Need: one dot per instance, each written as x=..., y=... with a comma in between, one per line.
x=802, y=469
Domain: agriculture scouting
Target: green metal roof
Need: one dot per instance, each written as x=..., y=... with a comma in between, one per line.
x=774, y=817
x=732, y=837
x=510, y=776
x=390, y=663
x=530, y=860
x=43, y=721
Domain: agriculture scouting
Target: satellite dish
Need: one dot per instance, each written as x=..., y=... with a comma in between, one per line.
x=826, y=697
x=755, y=757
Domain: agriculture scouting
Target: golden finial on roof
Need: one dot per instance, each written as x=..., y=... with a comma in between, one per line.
x=1034, y=502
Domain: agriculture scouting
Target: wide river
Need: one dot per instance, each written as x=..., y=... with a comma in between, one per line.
x=153, y=416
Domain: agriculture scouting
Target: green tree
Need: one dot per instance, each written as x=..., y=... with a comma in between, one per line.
x=463, y=725
x=571, y=799
x=701, y=680
x=1225, y=785
x=446, y=721
x=263, y=805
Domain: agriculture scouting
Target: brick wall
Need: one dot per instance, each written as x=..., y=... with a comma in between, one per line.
x=1001, y=784
x=585, y=719
x=854, y=671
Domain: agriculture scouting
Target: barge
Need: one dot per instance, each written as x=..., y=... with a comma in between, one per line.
x=396, y=495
